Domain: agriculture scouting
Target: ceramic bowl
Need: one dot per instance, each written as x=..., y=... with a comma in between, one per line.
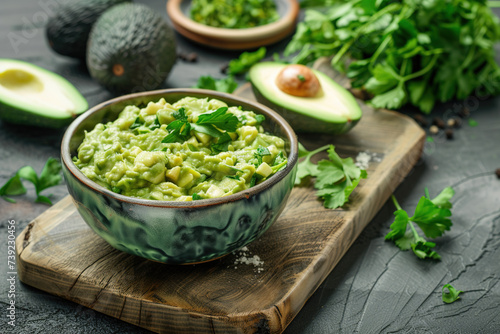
x=177, y=232
x=234, y=39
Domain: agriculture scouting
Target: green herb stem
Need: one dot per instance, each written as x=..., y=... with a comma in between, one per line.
x=422, y=71
x=392, y=7
x=396, y=203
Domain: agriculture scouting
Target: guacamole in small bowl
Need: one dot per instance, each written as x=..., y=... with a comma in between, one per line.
x=192, y=149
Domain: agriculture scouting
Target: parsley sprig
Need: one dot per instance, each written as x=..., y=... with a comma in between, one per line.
x=336, y=178
x=215, y=124
x=431, y=215
x=226, y=85
x=49, y=177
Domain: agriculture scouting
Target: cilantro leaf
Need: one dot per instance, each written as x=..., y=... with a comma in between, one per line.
x=180, y=115
x=49, y=177
x=12, y=187
x=261, y=152
x=336, y=178
x=137, y=123
x=398, y=227
x=220, y=118
x=328, y=173
x=226, y=85
x=451, y=295
x=404, y=243
x=196, y=197
x=222, y=144
x=423, y=249
x=432, y=218
x=245, y=61
x=155, y=125
x=179, y=130
x=443, y=199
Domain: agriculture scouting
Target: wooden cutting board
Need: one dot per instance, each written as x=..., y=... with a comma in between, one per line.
x=59, y=254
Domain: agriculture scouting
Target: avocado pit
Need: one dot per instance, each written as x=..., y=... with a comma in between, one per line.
x=298, y=80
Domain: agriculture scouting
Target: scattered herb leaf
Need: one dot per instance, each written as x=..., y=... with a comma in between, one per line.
x=245, y=61
x=226, y=85
x=50, y=176
x=196, y=197
x=336, y=178
x=472, y=122
x=451, y=295
x=432, y=216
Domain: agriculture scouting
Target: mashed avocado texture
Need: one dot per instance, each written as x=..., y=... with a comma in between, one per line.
x=191, y=149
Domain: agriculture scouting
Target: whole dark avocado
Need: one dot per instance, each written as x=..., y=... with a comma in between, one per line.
x=67, y=31
x=131, y=49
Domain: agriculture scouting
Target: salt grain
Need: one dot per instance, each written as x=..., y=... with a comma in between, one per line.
x=363, y=159
x=246, y=257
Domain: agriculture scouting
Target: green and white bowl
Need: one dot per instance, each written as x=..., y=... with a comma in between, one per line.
x=178, y=232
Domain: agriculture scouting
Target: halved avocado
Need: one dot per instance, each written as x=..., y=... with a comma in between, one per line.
x=327, y=108
x=31, y=95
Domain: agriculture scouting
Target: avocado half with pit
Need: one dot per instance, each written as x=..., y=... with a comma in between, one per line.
x=309, y=100
x=31, y=95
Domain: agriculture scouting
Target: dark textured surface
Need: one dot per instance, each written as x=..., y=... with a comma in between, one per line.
x=374, y=289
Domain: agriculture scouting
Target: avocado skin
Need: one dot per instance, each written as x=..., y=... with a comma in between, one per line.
x=304, y=124
x=15, y=115
x=137, y=40
x=68, y=30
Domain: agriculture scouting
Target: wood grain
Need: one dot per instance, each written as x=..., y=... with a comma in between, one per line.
x=59, y=254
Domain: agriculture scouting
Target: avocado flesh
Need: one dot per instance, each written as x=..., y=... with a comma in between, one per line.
x=333, y=110
x=30, y=95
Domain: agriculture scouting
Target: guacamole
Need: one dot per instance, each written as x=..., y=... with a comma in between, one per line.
x=191, y=149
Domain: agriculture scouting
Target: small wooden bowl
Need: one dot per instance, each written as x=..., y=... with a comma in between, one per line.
x=234, y=39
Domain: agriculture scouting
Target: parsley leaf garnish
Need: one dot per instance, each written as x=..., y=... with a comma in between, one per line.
x=155, y=125
x=219, y=118
x=222, y=144
x=245, y=61
x=336, y=178
x=196, y=197
x=226, y=85
x=213, y=124
x=137, y=123
x=432, y=216
x=261, y=152
x=49, y=177
x=451, y=295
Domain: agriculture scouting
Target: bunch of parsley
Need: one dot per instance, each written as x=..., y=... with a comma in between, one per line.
x=405, y=51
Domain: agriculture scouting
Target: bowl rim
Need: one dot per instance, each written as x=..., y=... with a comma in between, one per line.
x=179, y=19
x=245, y=194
